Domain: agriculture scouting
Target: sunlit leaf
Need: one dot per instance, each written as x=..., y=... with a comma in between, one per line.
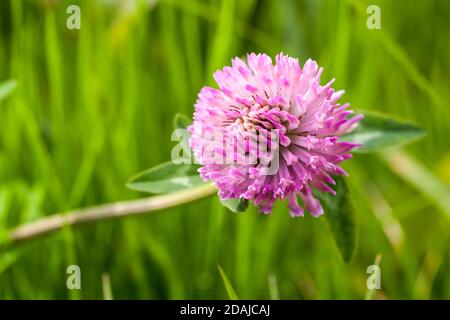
x=6, y=88
x=236, y=205
x=165, y=178
x=377, y=132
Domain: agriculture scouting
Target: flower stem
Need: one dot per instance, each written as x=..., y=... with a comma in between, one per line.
x=106, y=211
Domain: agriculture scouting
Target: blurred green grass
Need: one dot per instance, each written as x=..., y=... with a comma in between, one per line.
x=94, y=106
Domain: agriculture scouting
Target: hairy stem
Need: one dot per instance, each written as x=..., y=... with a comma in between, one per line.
x=107, y=211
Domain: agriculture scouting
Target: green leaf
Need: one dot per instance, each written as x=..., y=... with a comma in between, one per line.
x=180, y=121
x=377, y=132
x=6, y=88
x=165, y=178
x=340, y=215
x=236, y=205
x=228, y=287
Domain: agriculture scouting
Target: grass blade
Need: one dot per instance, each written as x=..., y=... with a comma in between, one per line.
x=228, y=287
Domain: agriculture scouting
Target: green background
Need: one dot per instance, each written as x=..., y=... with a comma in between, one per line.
x=94, y=106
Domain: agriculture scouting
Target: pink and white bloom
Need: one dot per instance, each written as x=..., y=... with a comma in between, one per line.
x=257, y=97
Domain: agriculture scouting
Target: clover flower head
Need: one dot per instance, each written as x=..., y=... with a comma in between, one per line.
x=276, y=133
